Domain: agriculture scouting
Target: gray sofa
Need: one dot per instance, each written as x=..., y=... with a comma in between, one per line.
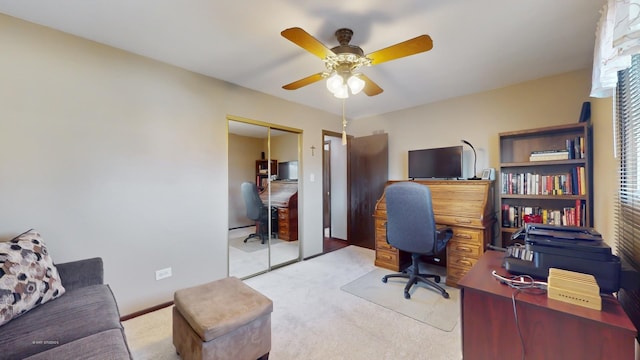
x=83, y=323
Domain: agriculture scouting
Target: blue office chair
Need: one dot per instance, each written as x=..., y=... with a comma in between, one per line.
x=411, y=227
x=256, y=211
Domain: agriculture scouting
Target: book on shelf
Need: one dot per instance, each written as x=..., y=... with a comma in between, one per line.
x=569, y=183
x=545, y=152
x=513, y=216
x=547, y=155
x=574, y=149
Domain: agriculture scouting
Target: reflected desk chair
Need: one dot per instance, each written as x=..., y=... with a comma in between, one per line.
x=411, y=227
x=256, y=211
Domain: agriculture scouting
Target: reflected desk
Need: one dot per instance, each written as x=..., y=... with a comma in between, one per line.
x=550, y=329
x=284, y=198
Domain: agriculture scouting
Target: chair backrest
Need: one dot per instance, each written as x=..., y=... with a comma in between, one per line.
x=252, y=200
x=411, y=225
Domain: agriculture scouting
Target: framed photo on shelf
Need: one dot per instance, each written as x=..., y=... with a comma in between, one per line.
x=488, y=174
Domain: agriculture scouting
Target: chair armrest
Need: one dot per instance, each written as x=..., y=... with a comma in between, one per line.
x=443, y=232
x=81, y=273
x=443, y=235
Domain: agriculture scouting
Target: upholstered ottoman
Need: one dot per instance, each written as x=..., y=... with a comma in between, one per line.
x=224, y=319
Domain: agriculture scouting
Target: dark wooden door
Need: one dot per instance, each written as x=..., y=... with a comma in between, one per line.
x=368, y=172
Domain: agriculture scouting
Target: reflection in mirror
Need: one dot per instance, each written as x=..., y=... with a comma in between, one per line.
x=284, y=197
x=266, y=158
x=248, y=149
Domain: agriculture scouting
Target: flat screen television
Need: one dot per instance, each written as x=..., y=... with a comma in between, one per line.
x=441, y=163
x=288, y=170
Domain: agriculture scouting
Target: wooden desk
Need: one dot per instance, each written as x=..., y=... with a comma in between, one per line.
x=551, y=329
x=284, y=197
x=465, y=206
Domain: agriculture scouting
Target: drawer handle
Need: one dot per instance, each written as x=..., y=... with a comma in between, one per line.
x=463, y=221
x=465, y=262
x=464, y=236
x=464, y=248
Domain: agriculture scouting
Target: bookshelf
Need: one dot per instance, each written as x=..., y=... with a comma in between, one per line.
x=264, y=169
x=546, y=175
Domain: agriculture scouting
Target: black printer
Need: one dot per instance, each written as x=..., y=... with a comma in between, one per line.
x=579, y=249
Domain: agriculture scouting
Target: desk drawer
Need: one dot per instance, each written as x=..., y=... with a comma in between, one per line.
x=464, y=248
x=387, y=259
x=383, y=245
x=458, y=221
x=461, y=262
x=283, y=213
x=454, y=274
x=468, y=235
x=283, y=230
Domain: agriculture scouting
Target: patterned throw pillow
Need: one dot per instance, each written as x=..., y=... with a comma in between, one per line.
x=28, y=277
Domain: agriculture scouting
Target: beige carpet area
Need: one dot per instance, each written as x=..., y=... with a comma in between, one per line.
x=314, y=319
x=252, y=258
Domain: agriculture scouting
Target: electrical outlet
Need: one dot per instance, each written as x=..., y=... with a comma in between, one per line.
x=163, y=273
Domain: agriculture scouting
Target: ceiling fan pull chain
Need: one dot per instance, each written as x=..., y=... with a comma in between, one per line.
x=344, y=124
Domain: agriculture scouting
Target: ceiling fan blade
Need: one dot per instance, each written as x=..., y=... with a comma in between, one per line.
x=370, y=88
x=413, y=46
x=304, y=82
x=302, y=38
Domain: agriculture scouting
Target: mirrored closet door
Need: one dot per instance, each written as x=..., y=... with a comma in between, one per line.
x=263, y=197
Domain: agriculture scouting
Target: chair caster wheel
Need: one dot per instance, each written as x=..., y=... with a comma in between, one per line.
x=445, y=295
x=437, y=279
x=384, y=280
x=407, y=295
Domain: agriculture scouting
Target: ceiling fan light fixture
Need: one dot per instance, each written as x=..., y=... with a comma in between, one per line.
x=346, y=59
x=355, y=84
x=335, y=82
x=342, y=92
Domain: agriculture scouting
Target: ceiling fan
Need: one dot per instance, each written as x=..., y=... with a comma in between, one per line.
x=343, y=61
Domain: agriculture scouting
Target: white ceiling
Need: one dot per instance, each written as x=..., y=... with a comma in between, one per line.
x=478, y=45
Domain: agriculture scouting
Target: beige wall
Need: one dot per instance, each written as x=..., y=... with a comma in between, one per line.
x=243, y=153
x=284, y=147
x=114, y=155
x=479, y=118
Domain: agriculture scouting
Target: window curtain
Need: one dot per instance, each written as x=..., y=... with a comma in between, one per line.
x=617, y=38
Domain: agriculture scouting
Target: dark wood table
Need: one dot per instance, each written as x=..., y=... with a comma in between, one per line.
x=550, y=329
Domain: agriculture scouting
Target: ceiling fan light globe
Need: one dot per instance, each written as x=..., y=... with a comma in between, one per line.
x=342, y=93
x=335, y=82
x=355, y=84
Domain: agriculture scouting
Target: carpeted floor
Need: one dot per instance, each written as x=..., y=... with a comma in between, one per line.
x=252, y=258
x=314, y=319
x=251, y=245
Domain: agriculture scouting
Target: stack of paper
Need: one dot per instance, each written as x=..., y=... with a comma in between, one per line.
x=575, y=288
